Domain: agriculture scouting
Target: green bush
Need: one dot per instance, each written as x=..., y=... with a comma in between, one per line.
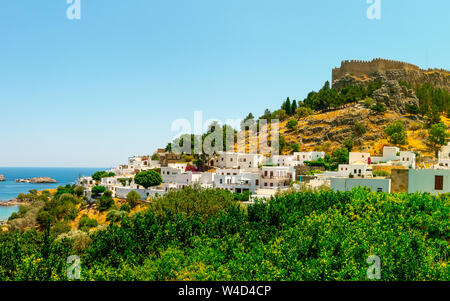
x=291, y=124
x=133, y=198
x=381, y=173
x=205, y=235
x=106, y=201
x=87, y=223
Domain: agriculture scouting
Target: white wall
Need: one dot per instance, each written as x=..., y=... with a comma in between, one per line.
x=423, y=180
x=347, y=184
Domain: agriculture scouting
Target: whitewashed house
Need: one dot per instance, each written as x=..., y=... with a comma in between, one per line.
x=301, y=157
x=408, y=159
x=277, y=177
x=86, y=182
x=354, y=169
x=390, y=153
x=282, y=160
x=356, y=157
x=444, y=158
x=169, y=173
x=237, y=160
x=237, y=180
x=203, y=179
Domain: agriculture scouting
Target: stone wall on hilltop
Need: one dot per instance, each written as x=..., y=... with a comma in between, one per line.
x=361, y=72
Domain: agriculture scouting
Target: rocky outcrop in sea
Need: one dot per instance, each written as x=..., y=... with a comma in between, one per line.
x=2, y=178
x=38, y=180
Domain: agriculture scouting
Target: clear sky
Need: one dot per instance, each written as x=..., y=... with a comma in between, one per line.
x=94, y=91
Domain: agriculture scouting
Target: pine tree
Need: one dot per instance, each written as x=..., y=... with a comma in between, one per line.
x=293, y=107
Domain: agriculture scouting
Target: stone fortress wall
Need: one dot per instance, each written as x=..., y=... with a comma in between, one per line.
x=392, y=70
x=361, y=68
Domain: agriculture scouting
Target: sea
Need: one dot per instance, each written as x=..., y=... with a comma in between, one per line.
x=9, y=189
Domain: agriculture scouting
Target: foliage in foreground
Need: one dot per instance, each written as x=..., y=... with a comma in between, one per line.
x=205, y=235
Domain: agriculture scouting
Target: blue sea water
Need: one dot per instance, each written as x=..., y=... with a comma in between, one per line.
x=9, y=189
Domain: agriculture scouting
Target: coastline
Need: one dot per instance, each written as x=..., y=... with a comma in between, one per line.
x=12, y=203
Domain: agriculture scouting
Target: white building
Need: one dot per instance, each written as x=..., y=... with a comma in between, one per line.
x=237, y=180
x=444, y=157
x=390, y=153
x=301, y=157
x=277, y=177
x=356, y=157
x=408, y=159
x=282, y=160
x=237, y=160
x=354, y=169
x=203, y=179
x=169, y=174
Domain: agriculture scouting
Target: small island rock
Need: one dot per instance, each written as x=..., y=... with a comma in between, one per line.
x=38, y=180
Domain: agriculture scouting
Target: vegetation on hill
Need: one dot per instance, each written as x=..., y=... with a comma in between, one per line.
x=205, y=235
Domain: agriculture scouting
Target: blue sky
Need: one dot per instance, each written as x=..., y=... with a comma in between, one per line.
x=94, y=91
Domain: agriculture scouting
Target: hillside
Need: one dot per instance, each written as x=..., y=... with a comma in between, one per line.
x=364, y=98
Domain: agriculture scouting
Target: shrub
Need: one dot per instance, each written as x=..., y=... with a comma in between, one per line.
x=359, y=128
x=380, y=173
x=116, y=215
x=132, y=198
x=87, y=223
x=378, y=107
x=291, y=124
x=106, y=201
x=303, y=112
x=125, y=207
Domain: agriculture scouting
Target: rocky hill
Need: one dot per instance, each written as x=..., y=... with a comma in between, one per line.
x=328, y=129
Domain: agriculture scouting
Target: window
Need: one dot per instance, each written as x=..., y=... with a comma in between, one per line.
x=379, y=189
x=439, y=182
x=265, y=184
x=257, y=182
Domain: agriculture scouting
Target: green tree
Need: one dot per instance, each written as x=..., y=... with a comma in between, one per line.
x=148, y=178
x=359, y=128
x=286, y=106
x=396, y=133
x=293, y=108
x=97, y=176
x=348, y=144
x=97, y=191
x=437, y=136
